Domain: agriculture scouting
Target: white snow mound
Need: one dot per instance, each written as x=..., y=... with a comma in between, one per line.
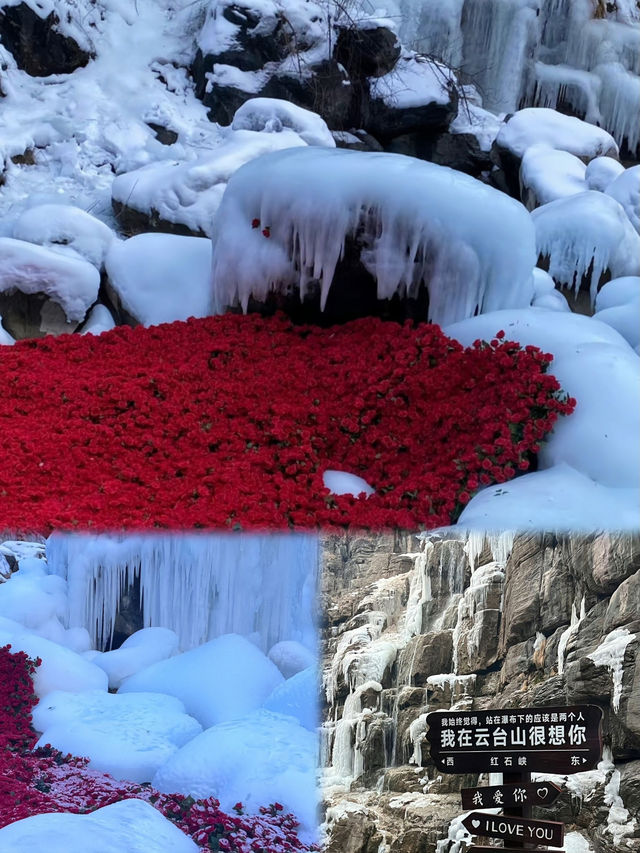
x=534, y=125
x=587, y=233
x=291, y=657
x=472, y=245
x=71, y=282
x=626, y=190
x=128, y=736
x=189, y=192
x=62, y=225
x=271, y=115
x=298, y=697
x=160, y=278
x=256, y=760
x=140, y=650
x=219, y=681
x=129, y=826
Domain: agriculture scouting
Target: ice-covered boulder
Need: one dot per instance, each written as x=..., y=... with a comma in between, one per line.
x=298, y=697
x=547, y=174
x=540, y=126
x=291, y=657
x=585, y=236
x=545, y=294
x=417, y=96
x=626, y=190
x=413, y=227
x=41, y=41
x=618, y=305
x=61, y=668
x=140, y=650
x=43, y=291
x=159, y=278
x=618, y=291
x=99, y=320
x=65, y=226
x=221, y=680
x=128, y=826
x=182, y=197
x=128, y=736
x=601, y=171
x=271, y=115
x=589, y=466
x=258, y=759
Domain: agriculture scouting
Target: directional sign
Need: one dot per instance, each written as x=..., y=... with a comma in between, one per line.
x=548, y=740
x=515, y=829
x=499, y=796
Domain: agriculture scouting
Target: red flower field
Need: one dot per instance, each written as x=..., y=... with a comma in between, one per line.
x=230, y=422
x=43, y=780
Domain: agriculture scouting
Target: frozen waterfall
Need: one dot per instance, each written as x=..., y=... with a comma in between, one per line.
x=200, y=586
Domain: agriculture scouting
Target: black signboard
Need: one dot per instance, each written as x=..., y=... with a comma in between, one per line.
x=515, y=829
x=548, y=740
x=519, y=795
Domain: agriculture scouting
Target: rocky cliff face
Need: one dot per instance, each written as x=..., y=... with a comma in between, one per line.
x=467, y=622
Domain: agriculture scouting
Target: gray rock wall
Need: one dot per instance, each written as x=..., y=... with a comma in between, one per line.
x=453, y=621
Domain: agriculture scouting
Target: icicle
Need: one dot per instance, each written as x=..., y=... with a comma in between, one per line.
x=566, y=635
x=200, y=586
x=611, y=653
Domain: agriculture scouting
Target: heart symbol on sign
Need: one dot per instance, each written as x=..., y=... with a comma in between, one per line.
x=542, y=792
x=475, y=824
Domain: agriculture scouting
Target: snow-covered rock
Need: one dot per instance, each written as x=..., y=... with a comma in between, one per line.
x=128, y=736
x=219, y=681
x=291, y=657
x=70, y=282
x=60, y=669
x=536, y=125
x=618, y=291
x=298, y=697
x=62, y=225
x=99, y=320
x=260, y=758
x=547, y=174
x=601, y=171
x=185, y=195
x=272, y=115
x=470, y=245
x=588, y=467
x=128, y=826
x=159, y=278
x=141, y=649
x=626, y=190
x=583, y=236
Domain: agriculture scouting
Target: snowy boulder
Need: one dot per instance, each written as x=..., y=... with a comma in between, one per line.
x=417, y=96
x=159, y=278
x=584, y=237
x=547, y=175
x=601, y=171
x=270, y=115
x=298, y=697
x=407, y=228
x=244, y=45
x=61, y=668
x=626, y=190
x=37, y=38
x=36, y=280
x=99, y=320
x=64, y=226
x=261, y=758
x=239, y=678
x=618, y=291
x=128, y=826
x=140, y=650
x=345, y=483
x=466, y=145
x=128, y=736
x=537, y=125
x=291, y=657
x=182, y=197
